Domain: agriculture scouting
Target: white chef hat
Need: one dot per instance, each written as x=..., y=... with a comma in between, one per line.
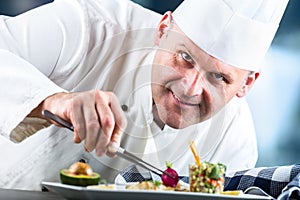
x=237, y=32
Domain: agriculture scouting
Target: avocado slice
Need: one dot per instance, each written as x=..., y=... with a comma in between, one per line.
x=79, y=180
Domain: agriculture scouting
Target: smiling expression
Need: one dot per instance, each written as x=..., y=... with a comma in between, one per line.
x=188, y=85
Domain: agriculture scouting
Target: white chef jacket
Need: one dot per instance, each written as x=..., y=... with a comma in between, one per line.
x=79, y=45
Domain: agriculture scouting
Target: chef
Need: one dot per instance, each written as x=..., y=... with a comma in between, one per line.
x=124, y=75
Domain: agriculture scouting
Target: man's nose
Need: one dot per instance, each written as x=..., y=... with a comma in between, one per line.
x=193, y=84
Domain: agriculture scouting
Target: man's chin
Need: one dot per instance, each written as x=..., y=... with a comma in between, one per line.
x=179, y=125
x=184, y=124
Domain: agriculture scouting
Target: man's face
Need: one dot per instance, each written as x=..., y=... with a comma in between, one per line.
x=188, y=85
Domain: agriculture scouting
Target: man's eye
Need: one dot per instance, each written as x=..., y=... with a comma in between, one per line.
x=219, y=77
x=187, y=57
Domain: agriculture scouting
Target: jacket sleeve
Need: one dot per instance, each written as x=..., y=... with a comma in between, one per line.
x=38, y=49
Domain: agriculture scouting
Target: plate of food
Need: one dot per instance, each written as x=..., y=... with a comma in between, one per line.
x=206, y=181
x=118, y=192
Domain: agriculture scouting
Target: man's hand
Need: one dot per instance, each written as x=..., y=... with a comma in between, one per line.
x=96, y=116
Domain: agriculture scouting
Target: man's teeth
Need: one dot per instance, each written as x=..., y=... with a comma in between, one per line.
x=176, y=97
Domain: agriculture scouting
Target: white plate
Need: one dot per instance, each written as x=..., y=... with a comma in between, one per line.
x=82, y=193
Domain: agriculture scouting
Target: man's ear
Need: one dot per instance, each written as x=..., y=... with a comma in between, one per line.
x=248, y=84
x=163, y=26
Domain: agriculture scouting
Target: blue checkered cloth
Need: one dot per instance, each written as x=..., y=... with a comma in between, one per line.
x=280, y=182
x=272, y=180
x=292, y=190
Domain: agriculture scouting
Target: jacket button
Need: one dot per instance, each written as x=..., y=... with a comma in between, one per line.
x=124, y=107
x=83, y=159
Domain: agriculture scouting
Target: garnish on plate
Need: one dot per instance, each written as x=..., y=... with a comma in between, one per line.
x=195, y=152
x=79, y=174
x=205, y=177
x=167, y=180
x=148, y=185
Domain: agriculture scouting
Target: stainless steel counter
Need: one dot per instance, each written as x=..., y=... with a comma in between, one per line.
x=8, y=194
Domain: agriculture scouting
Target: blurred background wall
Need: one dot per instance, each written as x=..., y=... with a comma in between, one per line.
x=274, y=99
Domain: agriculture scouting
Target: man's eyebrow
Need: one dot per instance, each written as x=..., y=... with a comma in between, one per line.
x=228, y=76
x=226, y=73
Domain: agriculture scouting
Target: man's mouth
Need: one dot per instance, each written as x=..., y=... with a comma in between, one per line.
x=180, y=101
